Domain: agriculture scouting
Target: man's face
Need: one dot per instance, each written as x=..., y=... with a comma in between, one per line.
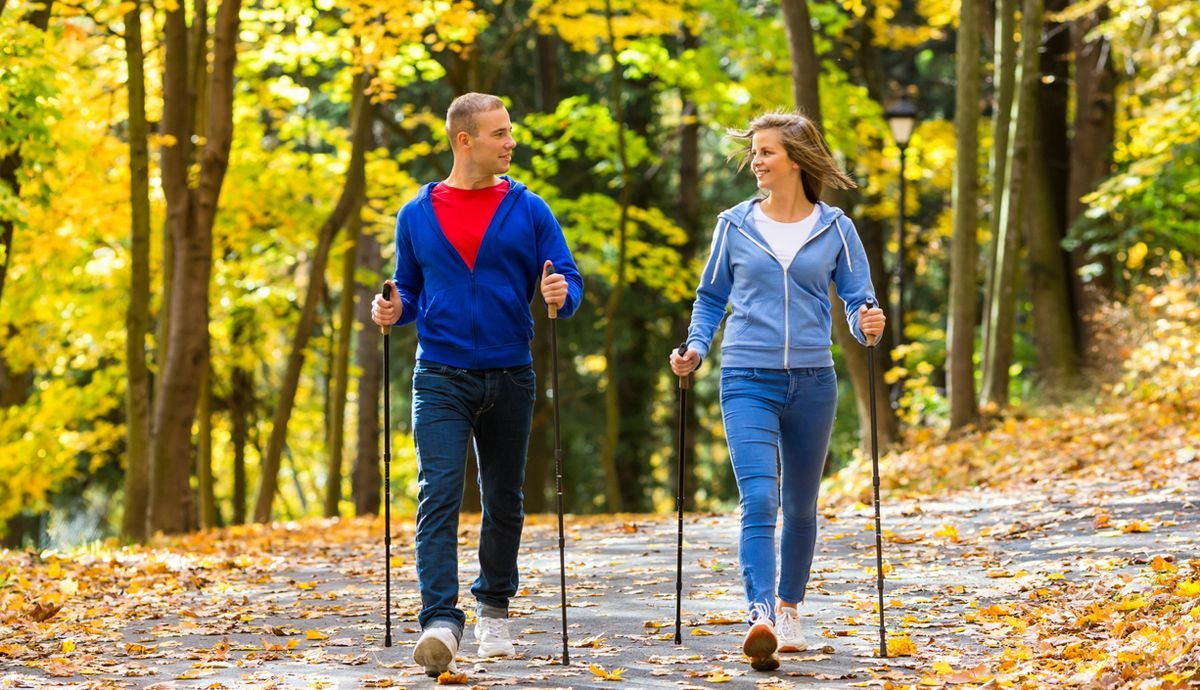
x=491, y=151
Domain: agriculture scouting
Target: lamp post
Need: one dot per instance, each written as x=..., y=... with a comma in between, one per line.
x=902, y=119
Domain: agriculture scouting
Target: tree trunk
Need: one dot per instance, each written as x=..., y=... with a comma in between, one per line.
x=137, y=316
x=471, y=501
x=1002, y=301
x=548, y=69
x=367, y=482
x=204, y=455
x=806, y=95
x=538, y=466
x=1091, y=153
x=39, y=18
x=854, y=356
x=689, y=220
x=333, y=481
x=1005, y=79
x=191, y=215
x=960, y=332
x=1054, y=319
x=240, y=403
x=806, y=70
x=351, y=192
x=612, y=407
x=1049, y=292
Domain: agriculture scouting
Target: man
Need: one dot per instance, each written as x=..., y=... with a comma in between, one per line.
x=469, y=252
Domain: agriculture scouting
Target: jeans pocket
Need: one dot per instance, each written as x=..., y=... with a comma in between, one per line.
x=523, y=377
x=826, y=376
x=442, y=370
x=729, y=373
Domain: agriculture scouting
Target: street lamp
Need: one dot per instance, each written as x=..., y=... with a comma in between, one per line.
x=902, y=119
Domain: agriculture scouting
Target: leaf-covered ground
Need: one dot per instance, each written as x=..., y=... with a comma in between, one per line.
x=1055, y=549
x=1067, y=583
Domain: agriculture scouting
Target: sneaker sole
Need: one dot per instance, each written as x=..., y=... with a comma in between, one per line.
x=434, y=656
x=760, y=643
x=792, y=647
x=491, y=654
x=768, y=663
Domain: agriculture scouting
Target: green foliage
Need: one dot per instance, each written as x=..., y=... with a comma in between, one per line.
x=28, y=90
x=62, y=112
x=1150, y=202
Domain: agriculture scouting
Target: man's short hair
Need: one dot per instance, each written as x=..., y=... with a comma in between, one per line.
x=460, y=116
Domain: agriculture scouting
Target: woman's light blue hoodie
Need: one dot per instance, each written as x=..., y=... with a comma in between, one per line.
x=781, y=314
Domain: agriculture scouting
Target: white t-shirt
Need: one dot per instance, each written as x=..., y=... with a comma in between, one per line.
x=785, y=239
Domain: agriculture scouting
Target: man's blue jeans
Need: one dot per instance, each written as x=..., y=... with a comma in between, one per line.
x=785, y=414
x=449, y=406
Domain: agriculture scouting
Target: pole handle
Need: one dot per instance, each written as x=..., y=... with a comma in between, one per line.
x=387, y=295
x=871, y=340
x=685, y=381
x=552, y=308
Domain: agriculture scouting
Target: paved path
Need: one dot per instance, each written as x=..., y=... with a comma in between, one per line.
x=291, y=613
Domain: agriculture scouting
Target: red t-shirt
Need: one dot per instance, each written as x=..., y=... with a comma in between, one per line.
x=465, y=214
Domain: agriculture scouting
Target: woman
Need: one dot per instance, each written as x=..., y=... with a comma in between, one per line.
x=772, y=259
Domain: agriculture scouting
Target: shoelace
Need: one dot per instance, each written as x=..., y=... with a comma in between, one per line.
x=759, y=613
x=787, y=622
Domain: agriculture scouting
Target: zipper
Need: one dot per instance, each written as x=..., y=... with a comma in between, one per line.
x=474, y=320
x=787, y=317
x=787, y=335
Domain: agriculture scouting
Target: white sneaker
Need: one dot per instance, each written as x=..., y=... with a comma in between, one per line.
x=760, y=643
x=787, y=627
x=493, y=637
x=435, y=650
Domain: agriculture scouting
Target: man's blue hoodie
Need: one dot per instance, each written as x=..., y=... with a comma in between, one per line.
x=781, y=314
x=479, y=319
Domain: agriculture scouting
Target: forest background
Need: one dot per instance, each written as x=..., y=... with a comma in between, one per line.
x=196, y=205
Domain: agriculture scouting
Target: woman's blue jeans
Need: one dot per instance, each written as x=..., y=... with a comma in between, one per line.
x=450, y=405
x=778, y=421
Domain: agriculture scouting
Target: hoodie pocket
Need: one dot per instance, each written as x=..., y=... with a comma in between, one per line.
x=504, y=317
x=446, y=319
x=737, y=327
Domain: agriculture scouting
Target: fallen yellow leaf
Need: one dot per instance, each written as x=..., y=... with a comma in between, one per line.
x=1188, y=588
x=615, y=674
x=448, y=678
x=1135, y=526
x=315, y=635
x=718, y=676
x=901, y=645
x=950, y=532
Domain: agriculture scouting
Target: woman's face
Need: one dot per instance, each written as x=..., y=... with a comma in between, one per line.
x=769, y=161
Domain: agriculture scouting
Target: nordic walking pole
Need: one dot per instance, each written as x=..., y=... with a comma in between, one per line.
x=562, y=563
x=875, y=481
x=684, y=383
x=387, y=484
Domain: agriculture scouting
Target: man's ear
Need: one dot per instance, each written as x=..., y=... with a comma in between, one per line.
x=462, y=138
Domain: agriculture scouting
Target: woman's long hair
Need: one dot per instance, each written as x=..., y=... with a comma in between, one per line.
x=805, y=146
